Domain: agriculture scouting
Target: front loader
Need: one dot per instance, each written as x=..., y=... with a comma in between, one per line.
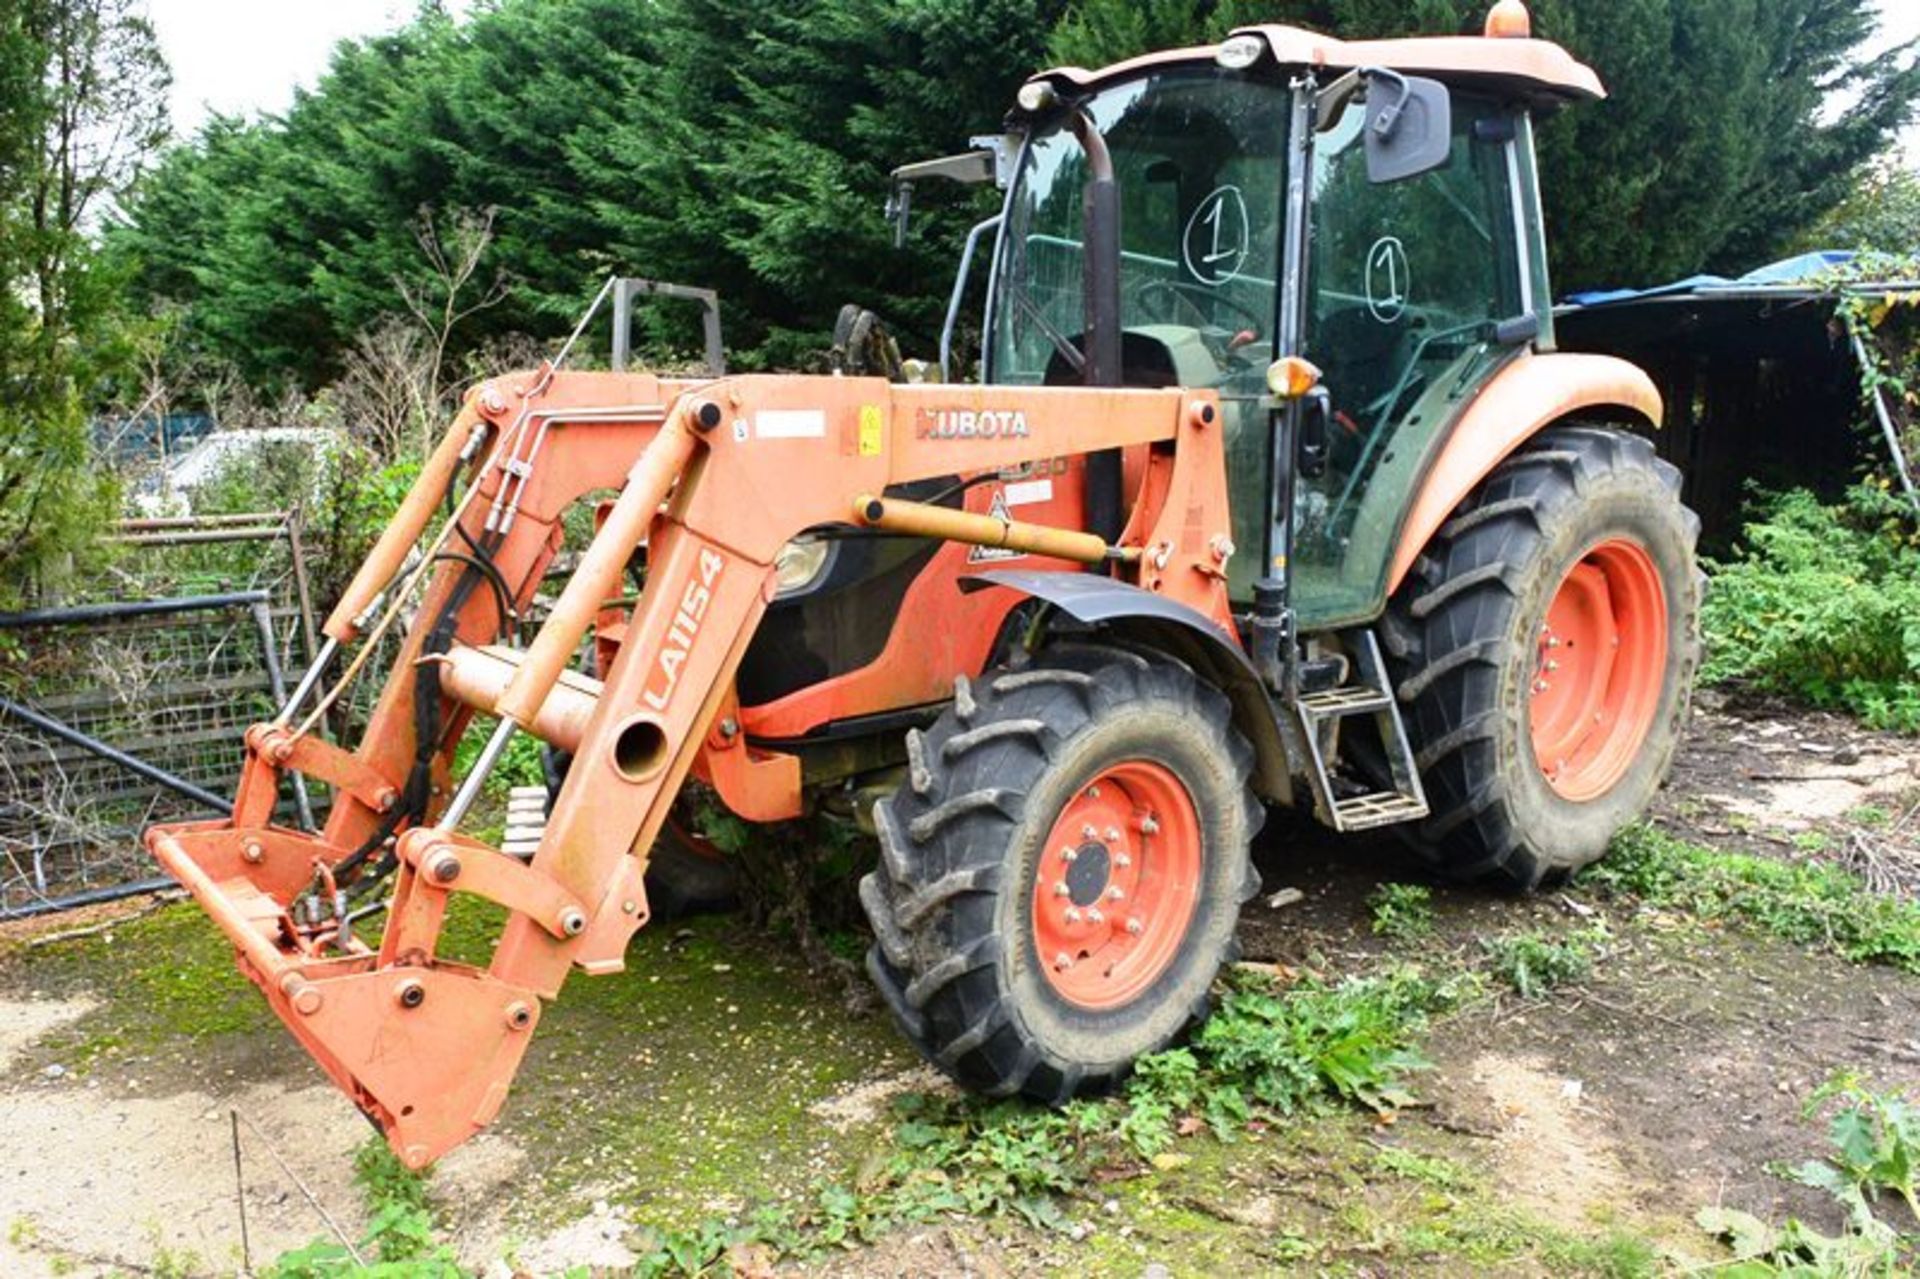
x=1272, y=491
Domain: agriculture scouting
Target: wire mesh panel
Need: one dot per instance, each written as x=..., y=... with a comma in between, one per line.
x=171, y=683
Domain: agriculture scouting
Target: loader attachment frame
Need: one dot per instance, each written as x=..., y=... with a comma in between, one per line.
x=714, y=479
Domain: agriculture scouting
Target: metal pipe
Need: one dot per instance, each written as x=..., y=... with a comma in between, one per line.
x=1101, y=339
x=959, y=294
x=277, y=687
x=196, y=537
x=622, y=324
x=477, y=677
x=74, y=737
x=91, y=897
x=315, y=669
x=921, y=520
x=84, y=613
x=463, y=799
x=159, y=522
x=1887, y=426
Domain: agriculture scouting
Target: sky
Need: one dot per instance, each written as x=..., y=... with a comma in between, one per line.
x=246, y=56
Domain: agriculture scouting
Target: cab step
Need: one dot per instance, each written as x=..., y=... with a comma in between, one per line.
x=1321, y=715
x=1367, y=812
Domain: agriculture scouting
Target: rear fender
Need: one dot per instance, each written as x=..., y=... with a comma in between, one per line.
x=1523, y=399
x=1143, y=618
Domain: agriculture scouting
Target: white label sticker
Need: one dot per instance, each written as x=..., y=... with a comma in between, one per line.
x=791, y=424
x=1029, y=492
x=993, y=554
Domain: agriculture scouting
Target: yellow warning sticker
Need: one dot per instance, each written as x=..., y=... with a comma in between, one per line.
x=873, y=431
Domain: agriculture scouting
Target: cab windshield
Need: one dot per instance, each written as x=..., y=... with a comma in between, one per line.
x=1200, y=161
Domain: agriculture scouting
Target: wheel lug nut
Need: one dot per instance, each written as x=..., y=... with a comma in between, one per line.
x=1115, y=894
x=1093, y=792
x=1134, y=927
x=1113, y=835
x=1060, y=889
x=1552, y=666
x=1063, y=961
x=1088, y=832
x=1148, y=826
x=1069, y=854
x=1540, y=686
x=1122, y=860
x=1073, y=914
x=1095, y=917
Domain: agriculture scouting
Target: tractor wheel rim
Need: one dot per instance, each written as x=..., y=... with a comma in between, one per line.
x=1116, y=885
x=1599, y=670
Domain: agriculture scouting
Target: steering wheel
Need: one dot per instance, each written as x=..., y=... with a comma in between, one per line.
x=1187, y=293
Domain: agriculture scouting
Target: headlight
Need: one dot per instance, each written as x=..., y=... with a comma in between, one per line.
x=1241, y=52
x=800, y=563
x=1036, y=96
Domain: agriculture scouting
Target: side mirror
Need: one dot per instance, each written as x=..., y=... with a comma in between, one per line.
x=1409, y=128
x=991, y=162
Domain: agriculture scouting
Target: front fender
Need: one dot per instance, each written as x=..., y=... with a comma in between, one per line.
x=1523, y=399
x=1127, y=612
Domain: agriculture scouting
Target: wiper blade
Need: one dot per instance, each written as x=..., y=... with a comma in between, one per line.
x=1031, y=310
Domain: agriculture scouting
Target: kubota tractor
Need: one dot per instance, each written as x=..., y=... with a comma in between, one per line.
x=1272, y=491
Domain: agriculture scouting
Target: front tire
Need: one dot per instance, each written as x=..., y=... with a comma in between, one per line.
x=1061, y=876
x=1545, y=647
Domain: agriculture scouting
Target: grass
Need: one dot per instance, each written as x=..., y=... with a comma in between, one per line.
x=170, y=984
x=1401, y=912
x=1806, y=903
x=1267, y=1054
x=731, y=1021
x=1533, y=964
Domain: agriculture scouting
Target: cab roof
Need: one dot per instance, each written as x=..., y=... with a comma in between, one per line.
x=1539, y=72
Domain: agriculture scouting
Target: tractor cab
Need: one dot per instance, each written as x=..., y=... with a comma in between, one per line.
x=1342, y=239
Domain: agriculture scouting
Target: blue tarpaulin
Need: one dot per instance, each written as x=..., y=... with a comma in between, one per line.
x=1792, y=271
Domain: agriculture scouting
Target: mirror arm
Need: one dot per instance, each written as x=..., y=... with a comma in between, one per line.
x=899, y=206
x=1334, y=98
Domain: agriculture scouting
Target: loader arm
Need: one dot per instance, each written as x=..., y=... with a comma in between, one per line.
x=714, y=479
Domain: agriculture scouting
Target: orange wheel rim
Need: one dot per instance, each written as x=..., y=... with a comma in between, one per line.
x=1601, y=665
x=1116, y=885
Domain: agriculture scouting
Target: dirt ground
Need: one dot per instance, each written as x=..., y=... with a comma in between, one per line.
x=715, y=1074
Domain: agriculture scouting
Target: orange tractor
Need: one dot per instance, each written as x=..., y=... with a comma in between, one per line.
x=1272, y=491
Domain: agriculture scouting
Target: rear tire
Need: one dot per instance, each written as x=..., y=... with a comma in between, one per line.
x=1013, y=967
x=1545, y=647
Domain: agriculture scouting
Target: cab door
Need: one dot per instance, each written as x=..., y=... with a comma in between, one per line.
x=1413, y=293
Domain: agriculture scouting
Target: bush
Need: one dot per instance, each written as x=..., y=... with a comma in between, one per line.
x=1824, y=602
